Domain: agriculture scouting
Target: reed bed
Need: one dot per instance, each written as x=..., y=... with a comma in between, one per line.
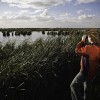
x=39, y=70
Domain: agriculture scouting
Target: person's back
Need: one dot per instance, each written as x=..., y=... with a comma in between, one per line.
x=94, y=58
x=93, y=53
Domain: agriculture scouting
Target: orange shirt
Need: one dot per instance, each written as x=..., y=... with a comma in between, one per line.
x=93, y=52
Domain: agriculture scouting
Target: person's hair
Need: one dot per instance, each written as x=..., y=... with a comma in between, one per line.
x=95, y=36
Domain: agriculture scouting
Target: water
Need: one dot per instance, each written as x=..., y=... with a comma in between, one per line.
x=31, y=38
x=21, y=38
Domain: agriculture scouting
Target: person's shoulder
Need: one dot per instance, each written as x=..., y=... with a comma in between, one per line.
x=93, y=45
x=87, y=46
x=98, y=46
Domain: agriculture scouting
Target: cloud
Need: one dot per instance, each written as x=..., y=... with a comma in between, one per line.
x=21, y=15
x=86, y=1
x=27, y=15
x=83, y=10
x=37, y=11
x=7, y=13
x=79, y=11
x=46, y=19
x=44, y=16
x=1, y=18
x=66, y=17
x=44, y=13
x=21, y=12
x=25, y=18
x=36, y=4
x=40, y=21
x=86, y=17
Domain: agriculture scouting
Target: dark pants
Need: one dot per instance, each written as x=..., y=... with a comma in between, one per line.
x=80, y=82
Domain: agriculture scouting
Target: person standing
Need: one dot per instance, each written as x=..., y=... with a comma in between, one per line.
x=89, y=66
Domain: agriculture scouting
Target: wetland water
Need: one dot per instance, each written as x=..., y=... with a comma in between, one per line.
x=21, y=38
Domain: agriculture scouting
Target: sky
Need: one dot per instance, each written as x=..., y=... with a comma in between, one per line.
x=49, y=13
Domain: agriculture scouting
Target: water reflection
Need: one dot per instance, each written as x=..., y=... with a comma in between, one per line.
x=12, y=36
x=20, y=36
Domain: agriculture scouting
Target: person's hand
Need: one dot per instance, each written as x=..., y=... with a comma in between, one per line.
x=84, y=38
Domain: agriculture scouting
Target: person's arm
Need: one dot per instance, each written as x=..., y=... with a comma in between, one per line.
x=80, y=49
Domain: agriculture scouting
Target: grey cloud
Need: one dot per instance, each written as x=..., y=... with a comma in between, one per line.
x=44, y=18
x=22, y=18
x=43, y=4
x=35, y=4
